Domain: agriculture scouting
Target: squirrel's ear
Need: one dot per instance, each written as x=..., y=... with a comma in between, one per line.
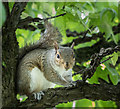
x=72, y=45
x=56, y=45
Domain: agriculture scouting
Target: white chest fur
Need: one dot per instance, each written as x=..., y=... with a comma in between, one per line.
x=38, y=81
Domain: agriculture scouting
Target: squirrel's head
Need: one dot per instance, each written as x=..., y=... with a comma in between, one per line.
x=64, y=56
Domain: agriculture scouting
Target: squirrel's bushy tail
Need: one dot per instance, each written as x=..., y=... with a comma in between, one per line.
x=50, y=35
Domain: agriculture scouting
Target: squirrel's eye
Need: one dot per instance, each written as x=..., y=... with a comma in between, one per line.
x=58, y=56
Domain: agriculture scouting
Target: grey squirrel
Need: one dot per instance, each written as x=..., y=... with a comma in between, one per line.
x=45, y=64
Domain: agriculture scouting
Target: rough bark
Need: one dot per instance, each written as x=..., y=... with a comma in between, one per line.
x=10, y=54
x=0, y=69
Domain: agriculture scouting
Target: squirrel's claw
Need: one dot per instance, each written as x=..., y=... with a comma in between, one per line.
x=38, y=95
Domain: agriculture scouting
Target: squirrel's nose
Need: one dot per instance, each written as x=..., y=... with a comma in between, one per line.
x=66, y=65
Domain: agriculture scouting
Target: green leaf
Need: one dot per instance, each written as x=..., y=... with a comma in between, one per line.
x=117, y=37
x=35, y=35
x=59, y=22
x=88, y=6
x=71, y=15
x=107, y=16
x=3, y=63
x=114, y=58
x=21, y=98
x=113, y=74
x=100, y=5
x=83, y=103
x=118, y=53
x=59, y=5
x=93, y=79
x=101, y=103
x=86, y=44
x=70, y=10
x=94, y=19
x=64, y=105
x=100, y=73
x=77, y=77
x=11, y=5
x=108, y=13
x=118, y=70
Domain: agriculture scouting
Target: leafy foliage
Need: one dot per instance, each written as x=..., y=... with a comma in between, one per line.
x=80, y=16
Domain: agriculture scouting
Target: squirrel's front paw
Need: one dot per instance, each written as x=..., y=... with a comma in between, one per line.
x=73, y=83
x=38, y=95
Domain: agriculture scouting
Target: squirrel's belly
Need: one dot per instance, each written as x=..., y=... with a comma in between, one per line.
x=38, y=81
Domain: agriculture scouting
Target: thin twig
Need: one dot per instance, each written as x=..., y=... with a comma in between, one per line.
x=79, y=72
x=106, y=59
x=29, y=19
x=54, y=16
x=25, y=23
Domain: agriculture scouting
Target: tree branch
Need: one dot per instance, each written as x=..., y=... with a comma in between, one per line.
x=10, y=54
x=52, y=97
x=54, y=16
x=25, y=23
